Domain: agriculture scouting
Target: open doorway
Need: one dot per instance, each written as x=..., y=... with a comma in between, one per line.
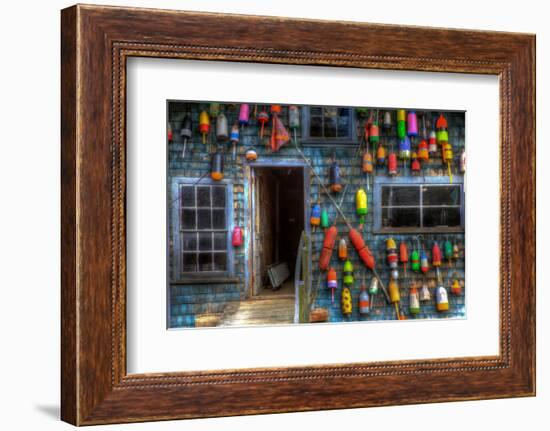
x=279, y=217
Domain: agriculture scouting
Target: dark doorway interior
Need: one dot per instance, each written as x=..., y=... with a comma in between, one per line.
x=279, y=195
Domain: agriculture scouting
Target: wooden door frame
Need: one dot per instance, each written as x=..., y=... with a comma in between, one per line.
x=250, y=208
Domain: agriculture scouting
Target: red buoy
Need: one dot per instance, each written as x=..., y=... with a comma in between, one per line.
x=359, y=244
x=328, y=245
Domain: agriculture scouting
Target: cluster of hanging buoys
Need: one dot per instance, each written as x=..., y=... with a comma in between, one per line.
x=374, y=152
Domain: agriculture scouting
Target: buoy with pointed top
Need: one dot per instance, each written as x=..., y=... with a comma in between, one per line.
x=342, y=249
x=414, y=300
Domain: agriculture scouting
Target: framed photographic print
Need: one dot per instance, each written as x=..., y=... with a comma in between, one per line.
x=258, y=224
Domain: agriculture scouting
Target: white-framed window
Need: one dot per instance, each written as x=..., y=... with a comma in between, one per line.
x=423, y=205
x=201, y=222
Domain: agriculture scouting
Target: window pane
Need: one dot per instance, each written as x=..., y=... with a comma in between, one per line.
x=400, y=195
x=189, y=262
x=329, y=128
x=205, y=241
x=187, y=196
x=220, y=261
x=218, y=196
x=218, y=219
x=315, y=129
x=343, y=127
x=203, y=196
x=220, y=240
x=441, y=217
x=189, y=241
x=204, y=219
x=205, y=261
x=188, y=219
x=441, y=195
x=401, y=217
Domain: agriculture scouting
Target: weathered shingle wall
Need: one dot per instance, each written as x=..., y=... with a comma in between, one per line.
x=186, y=301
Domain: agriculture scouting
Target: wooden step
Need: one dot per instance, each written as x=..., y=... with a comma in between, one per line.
x=271, y=311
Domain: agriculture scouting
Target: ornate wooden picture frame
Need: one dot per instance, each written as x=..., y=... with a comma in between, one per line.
x=96, y=41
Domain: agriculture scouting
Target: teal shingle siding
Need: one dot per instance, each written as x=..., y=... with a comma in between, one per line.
x=186, y=301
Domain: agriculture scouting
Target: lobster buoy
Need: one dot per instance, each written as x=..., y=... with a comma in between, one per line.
x=393, y=289
x=462, y=165
x=328, y=245
x=366, y=164
x=456, y=288
x=234, y=138
x=263, y=118
x=364, y=301
x=436, y=255
x=361, y=205
x=405, y=148
x=423, y=153
x=441, y=298
x=441, y=125
x=361, y=247
x=415, y=164
x=348, y=273
x=374, y=133
x=186, y=132
x=244, y=114
x=293, y=117
x=392, y=164
x=324, y=218
x=448, y=250
x=204, y=125
x=412, y=124
x=214, y=110
x=170, y=133
x=456, y=251
x=332, y=282
x=216, y=166
x=401, y=124
x=335, y=180
x=425, y=293
x=373, y=286
x=237, y=236
x=381, y=155
x=222, y=133
x=424, y=266
x=342, y=249
x=415, y=261
x=347, y=306
x=414, y=300
x=251, y=154
x=391, y=253
x=315, y=218
x=386, y=123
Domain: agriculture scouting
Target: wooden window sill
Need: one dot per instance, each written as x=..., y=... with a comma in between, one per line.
x=205, y=279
